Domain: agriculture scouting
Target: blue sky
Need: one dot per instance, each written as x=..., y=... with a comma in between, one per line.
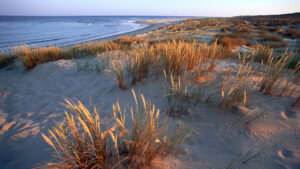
x=147, y=7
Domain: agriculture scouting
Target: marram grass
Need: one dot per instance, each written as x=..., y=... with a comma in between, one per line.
x=30, y=57
x=136, y=137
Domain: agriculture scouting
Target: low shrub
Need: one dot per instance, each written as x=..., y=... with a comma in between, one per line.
x=272, y=37
x=291, y=33
x=229, y=42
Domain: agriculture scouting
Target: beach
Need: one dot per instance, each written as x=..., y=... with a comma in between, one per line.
x=231, y=103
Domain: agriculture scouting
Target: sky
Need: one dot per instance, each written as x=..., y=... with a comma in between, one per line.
x=147, y=7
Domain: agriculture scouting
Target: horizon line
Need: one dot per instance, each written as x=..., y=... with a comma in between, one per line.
x=150, y=15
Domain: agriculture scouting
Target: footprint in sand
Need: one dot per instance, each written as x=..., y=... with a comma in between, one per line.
x=287, y=114
x=290, y=158
x=286, y=154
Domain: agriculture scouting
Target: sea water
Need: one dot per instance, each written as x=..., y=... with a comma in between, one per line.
x=59, y=31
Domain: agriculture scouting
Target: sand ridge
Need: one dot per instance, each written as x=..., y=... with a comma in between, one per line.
x=30, y=103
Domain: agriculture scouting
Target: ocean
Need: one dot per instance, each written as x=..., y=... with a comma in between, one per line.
x=37, y=31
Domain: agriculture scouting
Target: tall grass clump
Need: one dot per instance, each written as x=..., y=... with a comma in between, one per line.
x=173, y=55
x=30, y=57
x=230, y=41
x=97, y=65
x=84, y=141
x=6, y=60
x=93, y=48
x=129, y=40
x=138, y=65
x=261, y=54
x=102, y=62
x=274, y=68
x=178, y=95
x=147, y=137
x=178, y=56
x=293, y=33
x=234, y=91
x=81, y=142
x=272, y=37
x=181, y=93
x=288, y=88
x=121, y=75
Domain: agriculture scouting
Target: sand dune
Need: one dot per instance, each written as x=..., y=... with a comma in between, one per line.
x=30, y=103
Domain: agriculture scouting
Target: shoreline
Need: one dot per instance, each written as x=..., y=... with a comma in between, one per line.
x=148, y=28
x=151, y=25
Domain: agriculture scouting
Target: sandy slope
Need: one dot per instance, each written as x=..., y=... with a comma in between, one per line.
x=30, y=103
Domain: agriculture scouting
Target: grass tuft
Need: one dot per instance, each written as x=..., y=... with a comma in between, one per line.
x=129, y=40
x=83, y=141
x=234, y=90
x=138, y=65
x=6, y=60
x=121, y=76
x=30, y=57
x=275, y=66
x=261, y=53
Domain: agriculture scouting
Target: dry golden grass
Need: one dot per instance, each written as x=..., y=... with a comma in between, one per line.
x=173, y=56
x=234, y=90
x=80, y=142
x=121, y=76
x=291, y=33
x=229, y=42
x=178, y=56
x=146, y=137
x=6, y=60
x=83, y=141
x=275, y=66
x=276, y=20
x=138, y=65
x=261, y=53
x=31, y=57
x=184, y=92
x=272, y=37
x=288, y=89
x=102, y=62
x=129, y=40
x=277, y=44
x=179, y=94
x=93, y=48
x=97, y=65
